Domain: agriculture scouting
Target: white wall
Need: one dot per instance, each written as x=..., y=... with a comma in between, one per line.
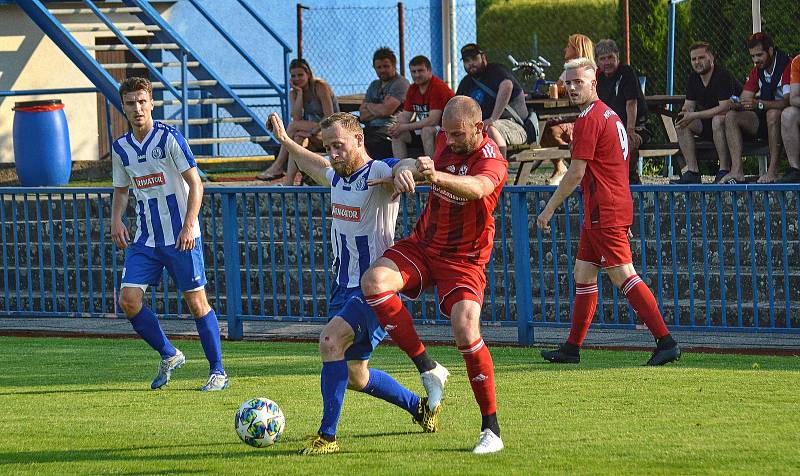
x=30, y=60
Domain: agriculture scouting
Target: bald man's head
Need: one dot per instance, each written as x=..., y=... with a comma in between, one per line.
x=462, y=124
x=462, y=108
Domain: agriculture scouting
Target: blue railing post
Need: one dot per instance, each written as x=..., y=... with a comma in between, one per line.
x=520, y=240
x=233, y=285
x=109, y=130
x=184, y=93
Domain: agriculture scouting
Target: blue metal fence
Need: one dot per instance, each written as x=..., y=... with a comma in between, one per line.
x=716, y=257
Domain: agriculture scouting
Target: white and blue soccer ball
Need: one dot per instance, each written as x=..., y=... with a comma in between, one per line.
x=259, y=422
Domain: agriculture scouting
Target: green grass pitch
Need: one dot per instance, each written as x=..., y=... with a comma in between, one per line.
x=84, y=406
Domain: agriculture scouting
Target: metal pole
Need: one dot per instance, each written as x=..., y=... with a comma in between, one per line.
x=108, y=127
x=402, y=37
x=184, y=94
x=670, y=65
x=520, y=243
x=453, y=44
x=300, y=8
x=626, y=27
x=756, y=7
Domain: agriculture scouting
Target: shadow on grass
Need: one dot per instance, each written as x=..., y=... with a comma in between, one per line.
x=158, y=453
x=621, y=359
x=76, y=391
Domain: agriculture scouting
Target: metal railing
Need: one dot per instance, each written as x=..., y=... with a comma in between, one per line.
x=716, y=257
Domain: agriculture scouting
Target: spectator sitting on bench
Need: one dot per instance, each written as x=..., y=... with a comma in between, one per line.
x=618, y=87
x=708, y=92
x=381, y=104
x=759, y=117
x=790, y=126
x=420, y=120
x=558, y=131
x=312, y=99
x=496, y=90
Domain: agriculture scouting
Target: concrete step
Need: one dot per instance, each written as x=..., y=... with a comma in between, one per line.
x=140, y=47
x=127, y=28
x=89, y=11
x=157, y=64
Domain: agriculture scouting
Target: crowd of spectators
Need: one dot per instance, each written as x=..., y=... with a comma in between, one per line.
x=402, y=119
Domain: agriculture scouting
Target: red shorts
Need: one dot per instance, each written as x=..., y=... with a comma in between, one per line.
x=455, y=280
x=605, y=247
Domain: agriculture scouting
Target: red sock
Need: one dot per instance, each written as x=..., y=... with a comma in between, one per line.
x=645, y=305
x=480, y=370
x=396, y=320
x=582, y=312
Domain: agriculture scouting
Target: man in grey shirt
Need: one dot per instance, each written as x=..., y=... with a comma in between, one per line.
x=382, y=103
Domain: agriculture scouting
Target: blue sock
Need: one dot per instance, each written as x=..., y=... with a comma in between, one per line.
x=383, y=386
x=208, y=330
x=147, y=326
x=333, y=383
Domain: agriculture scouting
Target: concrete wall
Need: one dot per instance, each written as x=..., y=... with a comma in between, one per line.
x=30, y=60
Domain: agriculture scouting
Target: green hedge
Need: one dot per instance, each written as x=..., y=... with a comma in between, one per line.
x=524, y=28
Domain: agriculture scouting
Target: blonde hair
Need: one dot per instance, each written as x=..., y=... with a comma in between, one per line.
x=348, y=122
x=581, y=63
x=582, y=44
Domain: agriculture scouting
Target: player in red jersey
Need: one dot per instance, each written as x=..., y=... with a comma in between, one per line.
x=599, y=164
x=449, y=248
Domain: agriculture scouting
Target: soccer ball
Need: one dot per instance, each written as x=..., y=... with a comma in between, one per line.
x=259, y=422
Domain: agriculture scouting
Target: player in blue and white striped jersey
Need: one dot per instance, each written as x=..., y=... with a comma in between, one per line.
x=363, y=220
x=156, y=160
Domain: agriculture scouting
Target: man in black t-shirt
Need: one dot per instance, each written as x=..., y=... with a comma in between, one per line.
x=708, y=92
x=498, y=122
x=618, y=87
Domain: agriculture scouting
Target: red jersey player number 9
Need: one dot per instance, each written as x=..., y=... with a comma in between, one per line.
x=623, y=139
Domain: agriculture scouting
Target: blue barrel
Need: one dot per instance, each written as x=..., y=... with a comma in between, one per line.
x=41, y=143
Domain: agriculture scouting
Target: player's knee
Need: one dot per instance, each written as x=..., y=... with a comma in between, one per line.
x=429, y=132
x=330, y=347
x=371, y=282
x=130, y=304
x=198, y=308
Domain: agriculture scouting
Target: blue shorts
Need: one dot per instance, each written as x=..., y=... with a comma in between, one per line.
x=144, y=266
x=349, y=304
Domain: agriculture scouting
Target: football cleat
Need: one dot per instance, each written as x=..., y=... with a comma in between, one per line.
x=426, y=418
x=488, y=443
x=165, y=369
x=320, y=446
x=433, y=380
x=216, y=382
x=664, y=356
x=561, y=356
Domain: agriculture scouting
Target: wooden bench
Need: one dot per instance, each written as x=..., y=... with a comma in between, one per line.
x=530, y=157
x=706, y=151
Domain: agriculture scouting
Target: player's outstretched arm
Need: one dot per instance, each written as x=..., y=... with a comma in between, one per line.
x=309, y=162
x=119, y=232
x=571, y=180
x=465, y=186
x=185, y=239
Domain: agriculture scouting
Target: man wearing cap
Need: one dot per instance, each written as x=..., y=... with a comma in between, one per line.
x=497, y=91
